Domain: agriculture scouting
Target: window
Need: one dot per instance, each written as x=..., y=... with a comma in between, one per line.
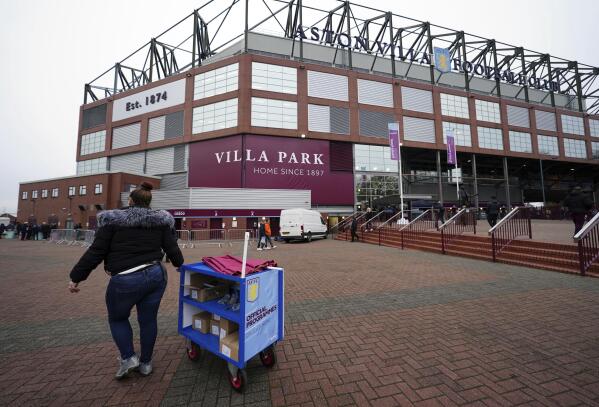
x=24, y=195
x=548, y=145
x=417, y=100
x=274, y=113
x=215, y=82
x=328, y=86
x=44, y=193
x=34, y=194
x=572, y=125
x=274, y=78
x=461, y=133
x=594, y=125
x=126, y=136
x=215, y=116
x=93, y=166
x=71, y=191
x=94, y=116
x=54, y=192
x=456, y=106
x=374, y=158
x=575, y=148
x=595, y=150
x=82, y=190
x=520, y=142
x=487, y=111
x=518, y=116
x=375, y=93
x=490, y=138
x=98, y=189
x=165, y=127
x=93, y=142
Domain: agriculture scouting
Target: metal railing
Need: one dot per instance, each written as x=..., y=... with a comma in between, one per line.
x=514, y=224
x=370, y=221
x=207, y=236
x=420, y=224
x=588, y=244
x=341, y=226
x=239, y=234
x=463, y=221
x=72, y=237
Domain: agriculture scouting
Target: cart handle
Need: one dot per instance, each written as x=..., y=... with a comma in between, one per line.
x=245, y=253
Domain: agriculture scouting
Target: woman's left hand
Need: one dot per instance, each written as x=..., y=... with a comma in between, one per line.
x=73, y=287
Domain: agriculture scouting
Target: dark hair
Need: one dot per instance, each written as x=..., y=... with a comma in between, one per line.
x=142, y=195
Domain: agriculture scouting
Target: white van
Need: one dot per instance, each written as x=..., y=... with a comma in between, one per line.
x=301, y=224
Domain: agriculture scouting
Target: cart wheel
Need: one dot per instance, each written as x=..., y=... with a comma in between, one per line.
x=268, y=356
x=194, y=352
x=239, y=380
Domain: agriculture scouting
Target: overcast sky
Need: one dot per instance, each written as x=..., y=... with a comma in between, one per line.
x=50, y=49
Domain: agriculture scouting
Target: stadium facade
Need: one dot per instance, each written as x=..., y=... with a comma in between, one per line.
x=300, y=118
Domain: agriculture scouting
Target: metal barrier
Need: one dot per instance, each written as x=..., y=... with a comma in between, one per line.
x=463, y=221
x=514, y=224
x=588, y=244
x=344, y=224
x=207, y=236
x=182, y=238
x=72, y=237
x=422, y=223
x=239, y=234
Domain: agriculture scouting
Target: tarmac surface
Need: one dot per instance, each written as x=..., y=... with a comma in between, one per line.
x=365, y=325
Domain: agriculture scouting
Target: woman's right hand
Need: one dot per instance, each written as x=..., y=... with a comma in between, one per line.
x=73, y=287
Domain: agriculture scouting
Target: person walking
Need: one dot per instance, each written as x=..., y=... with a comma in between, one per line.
x=439, y=210
x=354, y=228
x=578, y=205
x=261, y=236
x=267, y=234
x=2, y=229
x=464, y=199
x=130, y=242
x=492, y=211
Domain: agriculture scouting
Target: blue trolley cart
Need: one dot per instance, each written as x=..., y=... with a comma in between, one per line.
x=260, y=318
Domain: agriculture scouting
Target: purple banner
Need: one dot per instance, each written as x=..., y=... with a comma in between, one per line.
x=451, y=153
x=218, y=213
x=271, y=163
x=394, y=141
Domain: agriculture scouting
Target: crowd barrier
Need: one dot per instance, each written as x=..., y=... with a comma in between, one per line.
x=72, y=237
x=219, y=237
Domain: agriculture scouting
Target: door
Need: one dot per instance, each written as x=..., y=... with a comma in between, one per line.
x=216, y=228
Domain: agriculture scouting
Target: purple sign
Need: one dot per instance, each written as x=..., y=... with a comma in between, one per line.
x=218, y=213
x=394, y=141
x=271, y=163
x=451, y=153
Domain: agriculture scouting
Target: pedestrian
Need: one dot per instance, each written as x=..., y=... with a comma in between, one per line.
x=464, y=200
x=369, y=215
x=578, y=205
x=439, y=210
x=130, y=242
x=492, y=211
x=267, y=234
x=29, y=231
x=354, y=228
x=2, y=229
x=261, y=236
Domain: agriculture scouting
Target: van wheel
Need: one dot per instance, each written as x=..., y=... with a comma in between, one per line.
x=326, y=235
x=309, y=236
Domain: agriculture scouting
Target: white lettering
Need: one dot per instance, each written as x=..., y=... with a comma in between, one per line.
x=248, y=155
x=263, y=156
x=219, y=157
x=228, y=156
x=305, y=158
x=293, y=159
x=317, y=159
x=282, y=155
x=236, y=156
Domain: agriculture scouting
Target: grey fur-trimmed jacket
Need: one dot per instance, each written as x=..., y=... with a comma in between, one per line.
x=128, y=238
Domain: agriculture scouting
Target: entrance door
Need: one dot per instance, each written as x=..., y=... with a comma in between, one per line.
x=216, y=229
x=177, y=223
x=274, y=226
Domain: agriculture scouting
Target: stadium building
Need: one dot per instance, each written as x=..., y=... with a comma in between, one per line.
x=293, y=111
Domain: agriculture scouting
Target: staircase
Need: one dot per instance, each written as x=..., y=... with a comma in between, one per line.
x=526, y=253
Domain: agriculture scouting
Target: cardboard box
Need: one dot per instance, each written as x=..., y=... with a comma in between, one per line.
x=194, y=292
x=201, y=322
x=203, y=294
x=227, y=327
x=214, y=327
x=229, y=346
x=199, y=280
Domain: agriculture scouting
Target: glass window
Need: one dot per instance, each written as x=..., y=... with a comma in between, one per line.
x=461, y=133
x=98, y=189
x=215, y=82
x=595, y=150
x=520, y=142
x=490, y=138
x=575, y=148
x=93, y=142
x=548, y=145
x=572, y=125
x=456, y=106
x=215, y=116
x=44, y=193
x=274, y=113
x=594, y=126
x=71, y=191
x=82, y=190
x=54, y=192
x=373, y=158
x=274, y=78
x=34, y=194
x=94, y=166
x=24, y=195
x=488, y=111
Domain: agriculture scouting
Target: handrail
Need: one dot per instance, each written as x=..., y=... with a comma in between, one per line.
x=505, y=219
x=371, y=219
x=452, y=228
x=588, y=244
x=586, y=229
x=390, y=219
x=417, y=218
x=514, y=224
x=344, y=222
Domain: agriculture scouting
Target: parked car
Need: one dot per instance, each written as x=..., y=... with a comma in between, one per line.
x=301, y=224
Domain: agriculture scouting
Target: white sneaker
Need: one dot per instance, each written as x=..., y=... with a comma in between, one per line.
x=274, y=247
x=127, y=366
x=268, y=248
x=259, y=249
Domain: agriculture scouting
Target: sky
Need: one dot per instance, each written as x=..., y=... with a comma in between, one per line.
x=50, y=49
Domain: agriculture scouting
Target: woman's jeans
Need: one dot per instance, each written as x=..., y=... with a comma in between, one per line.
x=144, y=289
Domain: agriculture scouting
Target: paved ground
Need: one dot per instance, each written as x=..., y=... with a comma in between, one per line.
x=365, y=325
x=555, y=231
